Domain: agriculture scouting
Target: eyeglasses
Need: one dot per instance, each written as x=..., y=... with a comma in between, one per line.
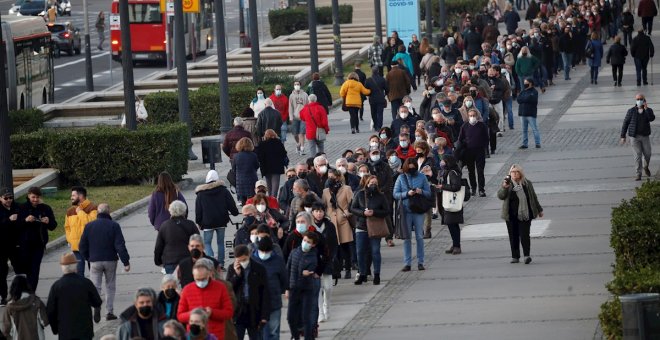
x=6, y=198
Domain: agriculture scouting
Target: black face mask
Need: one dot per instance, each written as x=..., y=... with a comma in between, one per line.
x=170, y=293
x=473, y=94
x=372, y=188
x=302, y=175
x=420, y=155
x=196, y=253
x=412, y=172
x=145, y=311
x=195, y=330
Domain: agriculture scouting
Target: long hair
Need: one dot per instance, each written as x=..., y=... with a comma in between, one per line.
x=166, y=185
x=19, y=286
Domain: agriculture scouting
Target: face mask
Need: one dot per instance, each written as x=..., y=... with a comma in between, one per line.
x=536, y=35
x=403, y=115
x=341, y=169
x=196, y=253
x=444, y=74
x=408, y=105
x=261, y=207
x=393, y=159
x=264, y=255
x=260, y=96
x=412, y=172
x=432, y=91
x=278, y=92
x=375, y=158
x=245, y=263
x=373, y=144
x=308, y=209
x=323, y=169
x=458, y=71
x=418, y=138
x=468, y=103
x=301, y=227
x=383, y=136
x=362, y=174
x=640, y=103
x=296, y=87
x=403, y=144
x=170, y=292
x=502, y=49
x=145, y=310
x=202, y=283
x=435, y=116
x=195, y=330
x=302, y=175
x=254, y=238
x=524, y=54
x=473, y=120
x=420, y=155
x=306, y=246
x=443, y=164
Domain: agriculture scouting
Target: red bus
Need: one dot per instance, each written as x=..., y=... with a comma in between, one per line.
x=148, y=33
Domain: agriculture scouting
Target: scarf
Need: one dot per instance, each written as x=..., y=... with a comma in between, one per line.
x=396, y=165
x=523, y=208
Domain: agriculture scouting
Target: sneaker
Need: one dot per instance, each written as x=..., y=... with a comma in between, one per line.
x=482, y=193
x=97, y=314
x=515, y=260
x=499, y=134
x=456, y=251
x=376, y=279
x=322, y=318
x=522, y=147
x=420, y=267
x=528, y=260
x=302, y=150
x=435, y=216
x=405, y=269
x=647, y=171
x=110, y=317
x=474, y=193
x=450, y=250
x=538, y=146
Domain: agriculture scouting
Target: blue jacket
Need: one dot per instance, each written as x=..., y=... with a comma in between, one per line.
x=277, y=280
x=598, y=53
x=406, y=61
x=299, y=261
x=528, y=99
x=102, y=240
x=245, y=166
x=481, y=104
x=405, y=183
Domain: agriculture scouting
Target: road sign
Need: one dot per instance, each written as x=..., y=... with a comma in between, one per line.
x=189, y=6
x=114, y=22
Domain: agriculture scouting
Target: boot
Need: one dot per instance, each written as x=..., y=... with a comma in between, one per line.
x=450, y=250
x=456, y=251
x=376, y=279
x=360, y=280
x=347, y=275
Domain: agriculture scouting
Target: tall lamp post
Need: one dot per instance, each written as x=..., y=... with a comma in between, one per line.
x=379, y=24
x=127, y=65
x=336, y=33
x=254, y=41
x=313, y=45
x=225, y=115
x=429, y=21
x=241, y=23
x=181, y=70
x=6, y=178
x=89, y=80
x=443, y=16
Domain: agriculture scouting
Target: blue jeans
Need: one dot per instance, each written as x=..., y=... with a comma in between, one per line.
x=594, y=73
x=81, y=263
x=208, y=243
x=285, y=130
x=567, y=60
x=271, y=330
x=508, y=106
x=364, y=244
x=377, y=115
x=169, y=268
x=416, y=222
x=531, y=121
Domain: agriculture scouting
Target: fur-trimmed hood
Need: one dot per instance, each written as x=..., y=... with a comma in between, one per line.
x=209, y=186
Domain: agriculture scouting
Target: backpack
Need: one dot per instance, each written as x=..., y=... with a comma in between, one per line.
x=589, y=50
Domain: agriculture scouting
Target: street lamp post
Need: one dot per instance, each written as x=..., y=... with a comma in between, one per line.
x=181, y=70
x=223, y=84
x=379, y=24
x=241, y=23
x=443, y=16
x=339, y=65
x=89, y=80
x=6, y=178
x=127, y=65
x=313, y=45
x=254, y=38
x=429, y=20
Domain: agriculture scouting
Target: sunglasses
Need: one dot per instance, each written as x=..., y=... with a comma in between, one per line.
x=6, y=198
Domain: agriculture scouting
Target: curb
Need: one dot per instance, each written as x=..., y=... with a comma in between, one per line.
x=117, y=214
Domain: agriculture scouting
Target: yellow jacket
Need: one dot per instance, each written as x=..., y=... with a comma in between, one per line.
x=75, y=222
x=351, y=91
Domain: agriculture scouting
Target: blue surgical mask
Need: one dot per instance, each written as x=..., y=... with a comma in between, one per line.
x=403, y=144
x=264, y=255
x=393, y=158
x=383, y=136
x=260, y=96
x=306, y=246
x=301, y=227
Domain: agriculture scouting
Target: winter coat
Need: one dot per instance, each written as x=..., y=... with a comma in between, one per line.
x=450, y=54
x=399, y=122
x=525, y=66
x=454, y=185
x=642, y=47
x=351, y=91
x=374, y=201
x=532, y=11
x=398, y=83
x=11, y=230
x=616, y=55
x=275, y=277
x=70, y=303
x=130, y=328
x=185, y=274
x=511, y=20
x=633, y=119
x=528, y=100
x=172, y=241
x=405, y=183
x=316, y=182
x=314, y=116
x=25, y=318
x=375, y=55
x=566, y=43
x=407, y=61
x=213, y=205
x=103, y=240
x=158, y=211
x=258, y=301
x=272, y=157
x=339, y=215
x=34, y=235
x=169, y=306
x=231, y=138
x=75, y=222
x=268, y=119
x=297, y=100
x=647, y=9
x=298, y=262
x=383, y=173
x=328, y=252
x=597, y=46
x=322, y=93
x=245, y=167
x=532, y=200
x=472, y=41
x=474, y=137
x=379, y=89
x=281, y=104
x=627, y=22
x=216, y=296
x=490, y=34
x=250, y=125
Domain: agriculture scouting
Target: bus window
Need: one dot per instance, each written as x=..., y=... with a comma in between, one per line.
x=144, y=14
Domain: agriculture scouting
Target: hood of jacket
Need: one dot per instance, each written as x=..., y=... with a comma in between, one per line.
x=26, y=302
x=210, y=186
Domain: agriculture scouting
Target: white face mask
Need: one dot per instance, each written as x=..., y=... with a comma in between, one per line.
x=264, y=255
x=408, y=105
x=341, y=169
x=468, y=103
x=278, y=92
x=308, y=209
x=245, y=263
x=418, y=138
x=403, y=144
x=640, y=103
x=383, y=136
x=254, y=238
x=261, y=208
x=473, y=120
x=458, y=71
x=296, y=87
x=375, y=158
x=202, y=283
x=373, y=144
x=323, y=169
x=403, y=115
x=443, y=73
x=260, y=95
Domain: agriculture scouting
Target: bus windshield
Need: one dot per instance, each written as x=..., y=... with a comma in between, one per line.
x=144, y=14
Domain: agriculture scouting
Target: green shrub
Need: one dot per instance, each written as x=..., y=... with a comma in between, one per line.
x=641, y=280
x=163, y=107
x=290, y=20
x=25, y=121
x=611, y=320
x=107, y=155
x=28, y=151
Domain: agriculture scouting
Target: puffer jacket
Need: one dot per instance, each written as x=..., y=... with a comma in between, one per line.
x=172, y=241
x=25, y=318
x=374, y=201
x=216, y=296
x=352, y=90
x=405, y=183
x=75, y=222
x=213, y=205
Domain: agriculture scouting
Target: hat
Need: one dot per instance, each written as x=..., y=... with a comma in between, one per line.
x=6, y=192
x=68, y=258
x=260, y=183
x=212, y=176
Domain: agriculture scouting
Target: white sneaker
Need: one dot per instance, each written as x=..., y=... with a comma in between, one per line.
x=322, y=318
x=302, y=150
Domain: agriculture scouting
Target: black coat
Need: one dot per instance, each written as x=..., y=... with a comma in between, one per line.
x=102, y=240
x=472, y=42
x=34, y=235
x=375, y=201
x=378, y=87
x=528, y=100
x=566, y=43
x=69, y=307
x=213, y=205
x=511, y=20
x=642, y=47
x=173, y=301
x=616, y=55
x=434, y=70
x=10, y=229
x=172, y=241
x=272, y=157
x=330, y=246
x=258, y=302
x=450, y=55
x=322, y=93
x=455, y=180
x=269, y=118
x=186, y=271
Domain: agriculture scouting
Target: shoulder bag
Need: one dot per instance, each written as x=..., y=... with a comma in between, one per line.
x=376, y=226
x=418, y=203
x=343, y=104
x=401, y=228
x=453, y=201
x=320, y=132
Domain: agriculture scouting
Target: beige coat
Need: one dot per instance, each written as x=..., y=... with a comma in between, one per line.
x=340, y=220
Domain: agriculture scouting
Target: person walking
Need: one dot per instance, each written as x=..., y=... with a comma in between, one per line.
x=327, y=256
x=277, y=284
x=142, y=320
x=566, y=46
x=245, y=165
x=594, y=55
x=362, y=78
x=410, y=183
x=637, y=126
x=269, y=118
x=172, y=240
x=642, y=50
x=351, y=91
x=511, y=19
x=519, y=207
x=281, y=104
x=314, y=118
x=297, y=100
x=323, y=95
x=100, y=29
x=165, y=193
x=337, y=197
x=233, y=136
x=616, y=56
x=398, y=85
x=474, y=138
x=258, y=103
x=528, y=100
x=627, y=25
x=647, y=10
x=377, y=99
x=100, y=244
x=9, y=245
x=82, y=212
x=272, y=160
x=70, y=302
x=375, y=54
x=25, y=317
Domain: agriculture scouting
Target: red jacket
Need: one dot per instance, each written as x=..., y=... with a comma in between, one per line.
x=312, y=114
x=647, y=8
x=215, y=295
x=410, y=153
x=272, y=202
x=281, y=104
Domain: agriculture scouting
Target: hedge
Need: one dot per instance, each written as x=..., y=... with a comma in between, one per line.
x=635, y=239
x=289, y=20
x=105, y=155
x=25, y=121
x=454, y=9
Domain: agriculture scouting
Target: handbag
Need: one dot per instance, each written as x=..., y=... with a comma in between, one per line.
x=453, y=201
x=418, y=204
x=352, y=221
x=376, y=226
x=343, y=105
x=320, y=132
x=401, y=227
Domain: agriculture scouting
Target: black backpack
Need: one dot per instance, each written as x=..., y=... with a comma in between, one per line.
x=589, y=50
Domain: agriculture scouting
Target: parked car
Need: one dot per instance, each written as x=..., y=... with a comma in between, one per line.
x=33, y=7
x=13, y=10
x=65, y=38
